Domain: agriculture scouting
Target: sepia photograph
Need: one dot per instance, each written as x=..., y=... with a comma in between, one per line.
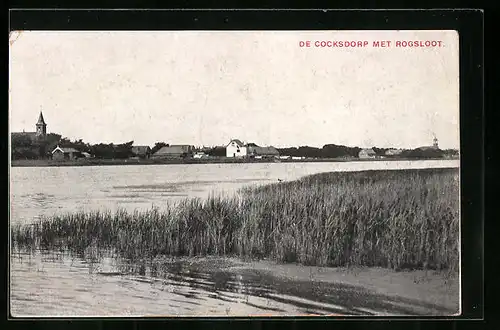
x=234, y=173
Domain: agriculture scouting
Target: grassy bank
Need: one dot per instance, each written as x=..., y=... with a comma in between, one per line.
x=396, y=219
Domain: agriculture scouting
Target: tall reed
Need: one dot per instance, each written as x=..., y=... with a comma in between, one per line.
x=397, y=219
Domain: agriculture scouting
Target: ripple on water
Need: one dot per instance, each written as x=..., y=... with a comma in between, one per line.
x=47, y=285
x=71, y=290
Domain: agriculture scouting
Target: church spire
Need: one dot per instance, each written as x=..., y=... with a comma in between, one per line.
x=41, y=121
x=41, y=126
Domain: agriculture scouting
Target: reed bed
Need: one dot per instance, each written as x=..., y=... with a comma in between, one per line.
x=402, y=219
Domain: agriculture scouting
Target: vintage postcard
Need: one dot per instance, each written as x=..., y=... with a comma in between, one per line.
x=234, y=173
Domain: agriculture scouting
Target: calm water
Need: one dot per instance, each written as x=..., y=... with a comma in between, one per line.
x=54, y=284
x=59, y=285
x=37, y=191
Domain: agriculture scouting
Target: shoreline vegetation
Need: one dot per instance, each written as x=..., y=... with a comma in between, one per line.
x=220, y=160
x=396, y=219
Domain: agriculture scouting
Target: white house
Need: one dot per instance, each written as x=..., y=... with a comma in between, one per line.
x=236, y=148
x=393, y=152
x=367, y=153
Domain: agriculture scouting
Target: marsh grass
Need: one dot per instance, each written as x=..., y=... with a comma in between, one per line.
x=401, y=219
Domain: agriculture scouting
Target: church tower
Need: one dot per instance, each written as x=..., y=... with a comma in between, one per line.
x=435, y=144
x=41, y=126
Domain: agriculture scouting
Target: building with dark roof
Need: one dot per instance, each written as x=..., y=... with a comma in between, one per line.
x=174, y=151
x=257, y=151
x=236, y=148
x=141, y=151
x=65, y=153
x=267, y=151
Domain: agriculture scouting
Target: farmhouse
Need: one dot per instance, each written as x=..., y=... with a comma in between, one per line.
x=65, y=153
x=141, y=151
x=264, y=152
x=174, y=151
x=235, y=148
x=367, y=153
x=252, y=149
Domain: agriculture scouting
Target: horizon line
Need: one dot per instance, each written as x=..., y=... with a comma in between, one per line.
x=280, y=146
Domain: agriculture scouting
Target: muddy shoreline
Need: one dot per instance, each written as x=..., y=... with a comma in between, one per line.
x=428, y=287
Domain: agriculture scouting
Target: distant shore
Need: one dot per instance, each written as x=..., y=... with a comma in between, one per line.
x=217, y=160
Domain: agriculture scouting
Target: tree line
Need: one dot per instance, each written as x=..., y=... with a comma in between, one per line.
x=23, y=147
x=341, y=151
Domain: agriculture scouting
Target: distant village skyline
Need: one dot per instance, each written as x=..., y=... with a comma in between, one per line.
x=206, y=88
x=41, y=130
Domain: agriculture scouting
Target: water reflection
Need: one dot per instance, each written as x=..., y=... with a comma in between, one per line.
x=213, y=285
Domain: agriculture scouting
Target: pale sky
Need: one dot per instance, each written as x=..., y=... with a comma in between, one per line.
x=206, y=87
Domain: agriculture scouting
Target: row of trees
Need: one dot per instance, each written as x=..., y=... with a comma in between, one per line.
x=338, y=151
x=328, y=151
x=23, y=147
